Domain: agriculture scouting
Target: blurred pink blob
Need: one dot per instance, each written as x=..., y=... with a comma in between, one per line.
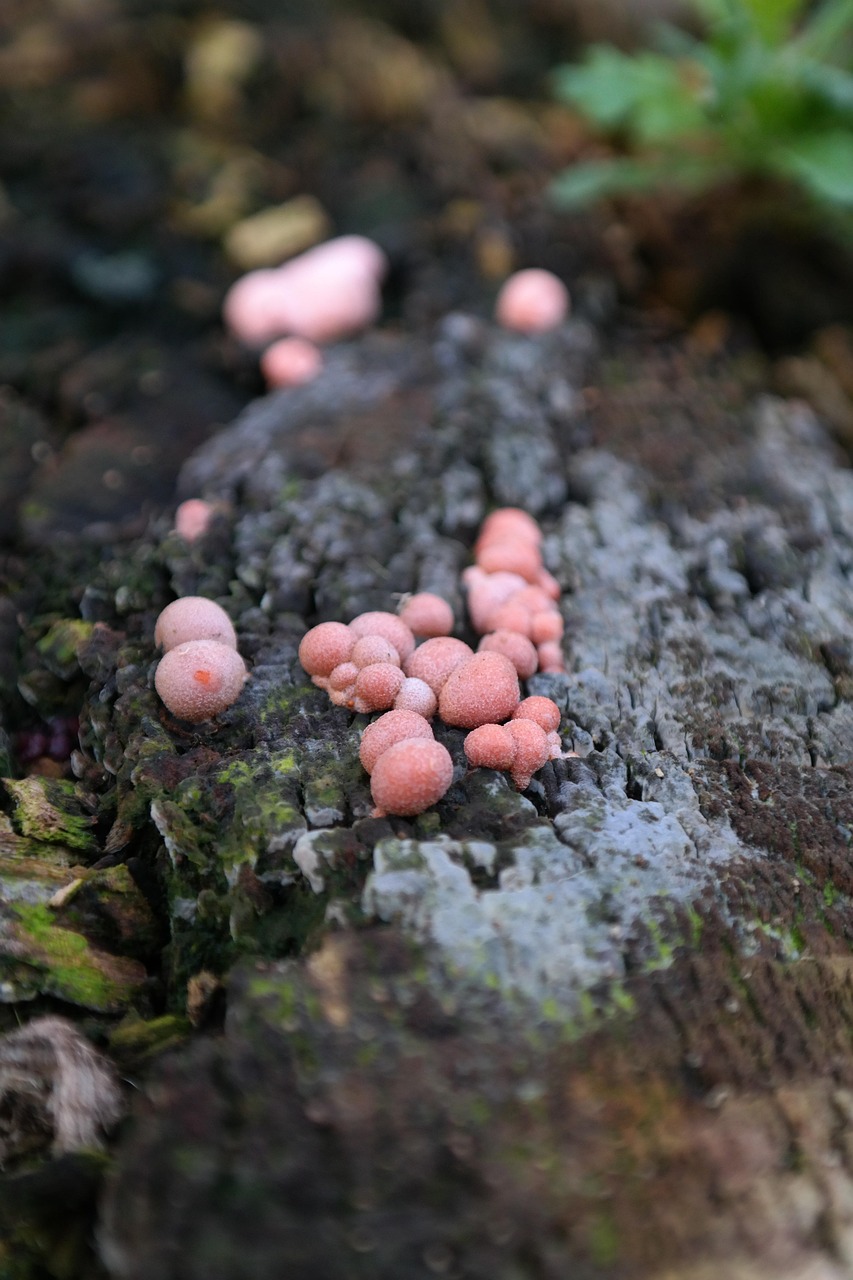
x=192, y=518
x=325, y=294
x=291, y=361
x=532, y=301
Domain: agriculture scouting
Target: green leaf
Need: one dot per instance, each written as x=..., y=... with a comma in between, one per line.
x=584, y=183
x=773, y=19
x=830, y=84
x=828, y=27
x=823, y=163
x=589, y=181
x=652, y=96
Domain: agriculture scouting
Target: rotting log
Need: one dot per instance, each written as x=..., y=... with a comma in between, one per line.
x=599, y=1029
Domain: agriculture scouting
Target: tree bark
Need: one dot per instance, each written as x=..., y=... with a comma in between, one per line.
x=598, y=1029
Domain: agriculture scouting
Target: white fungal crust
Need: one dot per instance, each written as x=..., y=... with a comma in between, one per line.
x=200, y=679
x=193, y=618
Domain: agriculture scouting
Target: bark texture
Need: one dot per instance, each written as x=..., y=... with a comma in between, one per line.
x=598, y=1029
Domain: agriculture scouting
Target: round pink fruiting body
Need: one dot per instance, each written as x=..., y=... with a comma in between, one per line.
x=291, y=362
x=512, y=520
x=532, y=750
x=556, y=745
x=325, y=647
x=435, y=659
x=481, y=690
x=193, y=618
x=544, y=711
x=250, y=307
x=322, y=295
x=491, y=746
x=510, y=557
x=548, y=583
x=370, y=649
x=387, y=625
x=416, y=695
x=532, y=301
x=393, y=727
x=200, y=679
x=410, y=776
x=342, y=676
x=521, y=653
x=534, y=599
x=545, y=626
x=511, y=617
x=487, y=592
x=427, y=615
x=192, y=518
x=550, y=656
x=376, y=687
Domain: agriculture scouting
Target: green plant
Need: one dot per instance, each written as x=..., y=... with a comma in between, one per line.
x=767, y=90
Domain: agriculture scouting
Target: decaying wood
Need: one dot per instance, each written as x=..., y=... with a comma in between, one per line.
x=601, y=1029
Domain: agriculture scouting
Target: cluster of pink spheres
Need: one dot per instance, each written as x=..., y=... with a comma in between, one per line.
x=201, y=673
x=334, y=290
x=374, y=663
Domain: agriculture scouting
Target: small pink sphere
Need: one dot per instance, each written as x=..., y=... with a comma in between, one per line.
x=376, y=687
x=487, y=592
x=324, y=294
x=435, y=659
x=511, y=617
x=544, y=711
x=416, y=695
x=193, y=618
x=370, y=649
x=290, y=362
x=548, y=583
x=551, y=656
x=410, y=776
x=342, y=676
x=427, y=615
x=250, y=308
x=192, y=518
x=389, y=626
x=324, y=647
x=521, y=653
x=546, y=626
x=389, y=729
x=481, y=690
x=510, y=521
x=491, y=746
x=200, y=679
x=510, y=557
x=532, y=750
x=532, y=301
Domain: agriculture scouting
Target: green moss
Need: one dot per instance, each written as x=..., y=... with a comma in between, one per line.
x=47, y=809
x=264, y=794
x=135, y=1041
x=603, y=1237
x=62, y=963
x=59, y=647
